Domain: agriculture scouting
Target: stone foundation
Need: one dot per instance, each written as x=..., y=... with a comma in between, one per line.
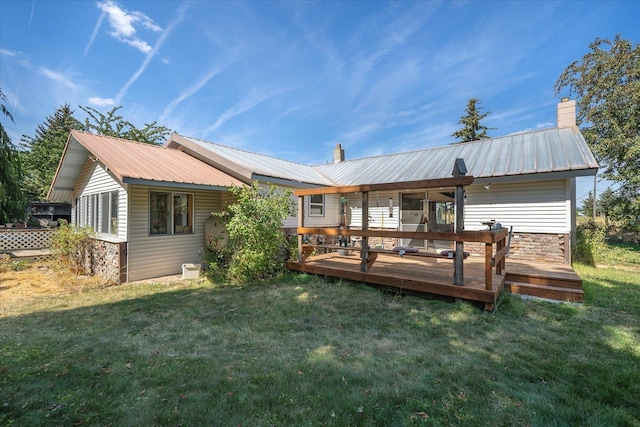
x=553, y=248
x=106, y=259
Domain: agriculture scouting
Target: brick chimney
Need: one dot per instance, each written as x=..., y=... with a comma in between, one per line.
x=566, y=113
x=338, y=154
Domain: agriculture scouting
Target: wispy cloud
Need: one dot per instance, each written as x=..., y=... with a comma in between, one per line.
x=254, y=98
x=193, y=89
x=7, y=52
x=102, y=102
x=175, y=21
x=123, y=24
x=57, y=77
x=95, y=32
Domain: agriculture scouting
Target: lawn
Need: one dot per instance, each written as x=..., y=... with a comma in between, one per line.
x=308, y=351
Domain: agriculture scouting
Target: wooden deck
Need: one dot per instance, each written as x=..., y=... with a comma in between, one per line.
x=435, y=276
x=426, y=275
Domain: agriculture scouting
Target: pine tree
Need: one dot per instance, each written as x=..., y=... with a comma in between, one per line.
x=44, y=150
x=12, y=204
x=472, y=130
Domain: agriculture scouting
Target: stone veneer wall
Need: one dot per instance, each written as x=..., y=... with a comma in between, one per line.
x=106, y=259
x=552, y=248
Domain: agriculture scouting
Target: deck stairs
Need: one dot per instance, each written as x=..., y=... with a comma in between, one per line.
x=541, y=285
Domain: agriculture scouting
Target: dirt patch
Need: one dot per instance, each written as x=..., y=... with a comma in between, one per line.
x=23, y=283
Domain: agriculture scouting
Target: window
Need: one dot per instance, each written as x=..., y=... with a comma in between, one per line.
x=109, y=212
x=170, y=213
x=316, y=205
x=99, y=211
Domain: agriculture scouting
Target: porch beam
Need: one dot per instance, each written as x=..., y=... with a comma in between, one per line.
x=407, y=185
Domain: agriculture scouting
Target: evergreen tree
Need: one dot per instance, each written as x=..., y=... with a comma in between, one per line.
x=44, y=150
x=472, y=130
x=606, y=204
x=12, y=204
x=587, y=205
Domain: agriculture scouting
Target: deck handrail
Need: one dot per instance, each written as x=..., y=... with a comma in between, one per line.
x=488, y=237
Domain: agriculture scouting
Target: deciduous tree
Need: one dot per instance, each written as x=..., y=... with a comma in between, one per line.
x=606, y=84
x=112, y=124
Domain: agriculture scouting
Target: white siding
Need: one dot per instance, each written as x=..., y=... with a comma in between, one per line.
x=378, y=210
x=161, y=255
x=533, y=207
x=94, y=179
x=331, y=217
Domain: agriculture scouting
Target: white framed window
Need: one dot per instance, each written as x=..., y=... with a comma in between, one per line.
x=109, y=212
x=99, y=211
x=316, y=205
x=170, y=213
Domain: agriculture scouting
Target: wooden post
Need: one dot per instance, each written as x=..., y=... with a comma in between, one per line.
x=499, y=264
x=488, y=270
x=459, y=169
x=300, y=225
x=364, y=254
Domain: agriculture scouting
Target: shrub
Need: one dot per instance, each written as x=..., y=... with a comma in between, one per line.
x=71, y=243
x=590, y=240
x=257, y=246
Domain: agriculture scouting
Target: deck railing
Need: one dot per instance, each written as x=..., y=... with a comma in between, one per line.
x=494, y=259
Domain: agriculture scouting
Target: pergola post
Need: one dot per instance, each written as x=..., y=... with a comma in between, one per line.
x=300, y=225
x=364, y=254
x=459, y=169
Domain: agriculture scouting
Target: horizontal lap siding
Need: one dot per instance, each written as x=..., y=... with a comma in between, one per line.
x=94, y=179
x=378, y=210
x=533, y=207
x=331, y=217
x=155, y=256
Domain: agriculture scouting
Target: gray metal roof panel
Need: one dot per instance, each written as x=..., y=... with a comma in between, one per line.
x=548, y=150
x=264, y=165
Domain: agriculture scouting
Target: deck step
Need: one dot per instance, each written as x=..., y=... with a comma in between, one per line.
x=545, y=291
x=545, y=280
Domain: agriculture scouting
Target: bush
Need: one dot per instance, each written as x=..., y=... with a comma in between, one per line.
x=257, y=247
x=590, y=241
x=71, y=243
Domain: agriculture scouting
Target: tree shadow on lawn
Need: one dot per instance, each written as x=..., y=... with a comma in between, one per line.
x=326, y=353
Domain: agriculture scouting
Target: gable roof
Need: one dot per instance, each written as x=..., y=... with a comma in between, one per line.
x=249, y=166
x=132, y=162
x=553, y=152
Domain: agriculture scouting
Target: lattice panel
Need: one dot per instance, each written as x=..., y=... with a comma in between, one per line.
x=11, y=240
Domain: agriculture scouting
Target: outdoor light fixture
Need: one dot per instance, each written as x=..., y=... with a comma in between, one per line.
x=390, y=207
x=488, y=186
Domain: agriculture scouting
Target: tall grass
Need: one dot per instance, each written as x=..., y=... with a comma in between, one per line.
x=307, y=351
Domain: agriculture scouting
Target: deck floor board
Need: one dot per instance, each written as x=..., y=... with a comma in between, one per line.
x=429, y=275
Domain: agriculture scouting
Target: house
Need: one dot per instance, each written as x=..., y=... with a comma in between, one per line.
x=147, y=204
x=524, y=181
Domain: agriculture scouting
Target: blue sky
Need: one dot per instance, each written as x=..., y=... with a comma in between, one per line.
x=293, y=79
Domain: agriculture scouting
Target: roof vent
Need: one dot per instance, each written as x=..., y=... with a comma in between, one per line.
x=566, y=113
x=338, y=154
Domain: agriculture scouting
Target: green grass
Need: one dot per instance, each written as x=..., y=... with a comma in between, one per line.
x=308, y=351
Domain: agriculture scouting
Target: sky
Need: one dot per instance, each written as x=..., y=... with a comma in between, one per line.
x=293, y=79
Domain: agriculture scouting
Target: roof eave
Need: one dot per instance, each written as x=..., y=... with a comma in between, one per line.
x=172, y=184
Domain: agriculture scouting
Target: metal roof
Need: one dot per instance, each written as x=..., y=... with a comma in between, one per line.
x=551, y=151
x=133, y=162
x=249, y=165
